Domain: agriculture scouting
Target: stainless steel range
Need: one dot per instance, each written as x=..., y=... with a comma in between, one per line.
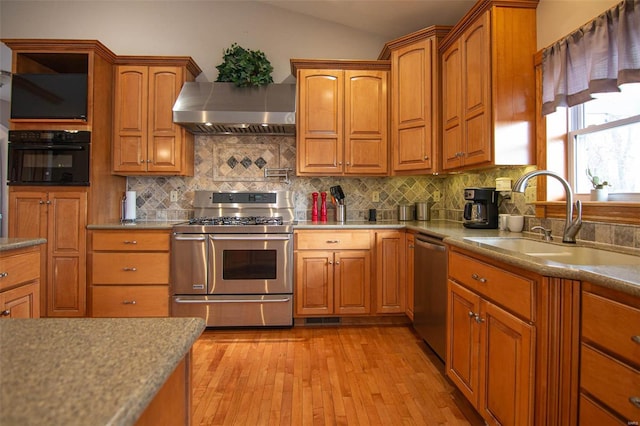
x=233, y=263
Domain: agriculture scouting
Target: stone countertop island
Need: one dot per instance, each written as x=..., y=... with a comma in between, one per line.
x=89, y=371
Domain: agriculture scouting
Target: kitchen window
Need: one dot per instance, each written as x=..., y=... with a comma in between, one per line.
x=604, y=138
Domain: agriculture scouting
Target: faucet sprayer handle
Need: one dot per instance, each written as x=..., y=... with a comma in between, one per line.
x=546, y=233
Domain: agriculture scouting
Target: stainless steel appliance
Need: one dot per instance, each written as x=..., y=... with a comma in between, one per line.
x=430, y=292
x=233, y=264
x=48, y=157
x=481, y=209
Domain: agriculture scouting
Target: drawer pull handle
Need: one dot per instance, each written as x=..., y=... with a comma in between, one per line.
x=132, y=269
x=131, y=242
x=128, y=302
x=635, y=400
x=478, y=278
x=636, y=339
x=333, y=241
x=4, y=274
x=5, y=313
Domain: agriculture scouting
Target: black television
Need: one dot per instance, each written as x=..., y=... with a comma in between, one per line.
x=49, y=96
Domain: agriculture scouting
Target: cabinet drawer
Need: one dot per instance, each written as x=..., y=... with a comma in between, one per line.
x=592, y=414
x=130, y=301
x=19, y=268
x=130, y=268
x=610, y=381
x=135, y=240
x=510, y=290
x=611, y=325
x=333, y=240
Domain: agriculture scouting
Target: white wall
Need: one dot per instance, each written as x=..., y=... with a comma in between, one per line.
x=558, y=18
x=200, y=29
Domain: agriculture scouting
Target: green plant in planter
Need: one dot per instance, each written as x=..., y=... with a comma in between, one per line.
x=596, y=181
x=244, y=67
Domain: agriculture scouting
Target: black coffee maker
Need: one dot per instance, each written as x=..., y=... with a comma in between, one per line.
x=481, y=210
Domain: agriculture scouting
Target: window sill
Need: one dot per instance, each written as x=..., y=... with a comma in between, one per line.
x=594, y=211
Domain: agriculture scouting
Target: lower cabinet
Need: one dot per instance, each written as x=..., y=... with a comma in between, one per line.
x=20, y=283
x=129, y=273
x=491, y=339
x=609, y=357
x=390, y=272
x=332, y=273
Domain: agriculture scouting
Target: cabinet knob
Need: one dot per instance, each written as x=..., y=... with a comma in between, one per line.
x=148, y=161
x=5, y=313
x=331, y=262
x=337, y=262
x=348, y=163
x=636, y=339
x=479, y=319
x=478, y=278
x=129, y=269
x=426, y=157
x=635, y=400
x=411, y=246
x=128, y=302
x=339, y=163
x=40, y=202
x=4, y=274
x=471, y=314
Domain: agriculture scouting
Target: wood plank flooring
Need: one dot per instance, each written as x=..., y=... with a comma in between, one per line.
x=346, y=375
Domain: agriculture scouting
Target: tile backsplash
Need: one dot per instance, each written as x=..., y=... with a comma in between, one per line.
x=238, y=163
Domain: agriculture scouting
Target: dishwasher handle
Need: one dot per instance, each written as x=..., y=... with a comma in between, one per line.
x=430, y=243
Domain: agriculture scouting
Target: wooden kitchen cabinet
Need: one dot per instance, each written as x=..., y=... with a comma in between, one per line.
x=390, y=272
x=415, y=100
x=332, y=273
x=342, y=118
x=609, y=357
x=410, y=269
x=491, y=339
x=129, y=273
x=488, y=87
x=20, y=283
x=146, y=141
x=59, y=215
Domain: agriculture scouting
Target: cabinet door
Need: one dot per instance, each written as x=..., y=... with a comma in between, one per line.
x=463, y=340
x=314, y=282
x=27, y=215
x=320, y=139
x=452, y=107
x=66, y=261
x=410, y=247
x=390, y=272
x=476, y=92
x=130, y=119
x=21, y=302
x=352, y=282
x=507, y=367
x=165, y=137
x=411, y=105
x=365, y=122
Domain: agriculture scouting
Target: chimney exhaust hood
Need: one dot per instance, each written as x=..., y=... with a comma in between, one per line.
x=214, y=108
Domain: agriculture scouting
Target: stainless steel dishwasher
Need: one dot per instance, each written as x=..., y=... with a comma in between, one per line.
x=430, y=292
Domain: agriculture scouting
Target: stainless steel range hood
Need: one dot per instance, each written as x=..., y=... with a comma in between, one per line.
x=223, y=108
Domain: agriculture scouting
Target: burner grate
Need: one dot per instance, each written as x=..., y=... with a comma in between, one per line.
x=233, y=220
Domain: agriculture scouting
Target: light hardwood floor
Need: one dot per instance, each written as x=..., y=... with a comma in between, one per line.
x=346, y=375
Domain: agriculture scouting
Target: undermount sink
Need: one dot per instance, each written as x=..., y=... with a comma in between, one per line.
x=561, y=253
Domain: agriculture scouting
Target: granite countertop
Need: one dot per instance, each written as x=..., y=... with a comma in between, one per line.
x=16, y=243
x=87, y=371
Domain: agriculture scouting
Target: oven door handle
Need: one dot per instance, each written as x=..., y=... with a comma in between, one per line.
x=254, y=237
x=187, y=237
x=30, y=147
x=283, y=300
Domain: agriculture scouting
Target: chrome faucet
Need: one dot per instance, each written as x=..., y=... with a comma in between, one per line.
x=571, y=226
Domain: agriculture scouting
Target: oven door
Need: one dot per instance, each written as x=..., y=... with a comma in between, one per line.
x=48, y=164
x=251, y=264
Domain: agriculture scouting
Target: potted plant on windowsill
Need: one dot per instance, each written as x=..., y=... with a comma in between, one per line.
x=600, y=192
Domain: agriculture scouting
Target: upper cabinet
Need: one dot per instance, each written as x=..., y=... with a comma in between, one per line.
x=146, y=140
x=342, y=117
x=488, y=95
x=415, y=100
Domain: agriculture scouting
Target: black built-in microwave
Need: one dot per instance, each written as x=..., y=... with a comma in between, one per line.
x=49, y=157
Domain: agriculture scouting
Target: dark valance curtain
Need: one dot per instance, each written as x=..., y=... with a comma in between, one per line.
x=598, y=57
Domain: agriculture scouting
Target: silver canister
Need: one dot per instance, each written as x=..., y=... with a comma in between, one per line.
x=405, y=212
x=423, y=211
x=341, y=213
